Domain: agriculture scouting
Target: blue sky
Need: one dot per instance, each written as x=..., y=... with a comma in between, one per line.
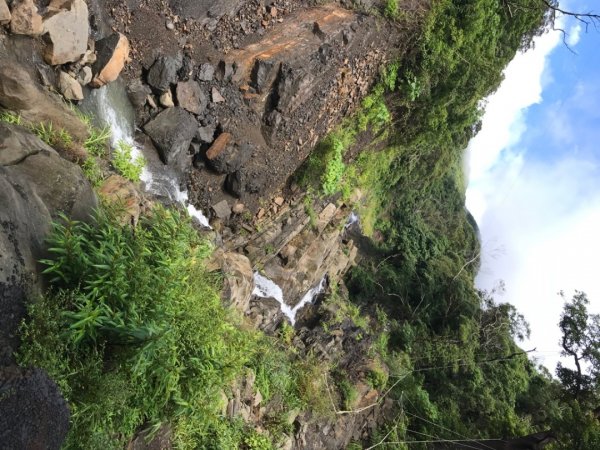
x=535, y=181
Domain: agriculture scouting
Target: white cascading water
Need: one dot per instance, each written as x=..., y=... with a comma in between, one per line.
x=120, y=133
x=352, y=219
x=266, y=288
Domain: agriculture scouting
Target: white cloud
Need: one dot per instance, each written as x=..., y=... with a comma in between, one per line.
x=547, y=222
x=574, y=35
x=539, y=221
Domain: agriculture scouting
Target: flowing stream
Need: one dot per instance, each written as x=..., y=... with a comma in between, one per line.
x=266, y=288
x=110, y=106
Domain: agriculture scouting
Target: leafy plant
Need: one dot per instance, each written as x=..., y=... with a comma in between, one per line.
x=134, y=330
x=92, y=171
x=391, y=10
x=97, y=142
x=123, y=161
x=11, y=117
x=54, y=137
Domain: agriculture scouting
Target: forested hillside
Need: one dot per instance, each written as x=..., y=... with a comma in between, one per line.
x=331, y=302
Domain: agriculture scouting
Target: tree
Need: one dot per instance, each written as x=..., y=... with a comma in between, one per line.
x=580, y=342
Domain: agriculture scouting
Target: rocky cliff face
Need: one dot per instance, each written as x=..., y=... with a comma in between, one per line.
x=230, y=96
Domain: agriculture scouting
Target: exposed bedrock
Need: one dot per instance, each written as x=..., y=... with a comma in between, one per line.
x=36, y=185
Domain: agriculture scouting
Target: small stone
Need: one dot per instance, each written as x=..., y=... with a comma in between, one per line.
x=273, y=11
x=25, y=18
x=261, y=213
x=4, y=13
x=206, y=134
x=170, y=25
x=151, y=102
x=85, y=76
x=216, y=96
x=166, y=99
x=258, y=398
x=222, y=210
x=238, y=208
x=69, y=87
x=190, y=97
x=89, y=57
x=206, y=72
x=288, y=251
x=279, y=201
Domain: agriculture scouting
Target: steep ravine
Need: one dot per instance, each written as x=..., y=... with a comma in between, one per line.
x=225, y=101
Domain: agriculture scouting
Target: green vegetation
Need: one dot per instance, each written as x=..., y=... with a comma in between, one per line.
x=451, y=350
x=391, y=9
x=125, y=164
x=134, y=333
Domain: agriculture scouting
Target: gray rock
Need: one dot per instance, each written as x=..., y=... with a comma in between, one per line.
x=263, y=75
x=85, y=75
x=138, y=92
x=229, y=157
x=216, y=96
x=235, y=183
x=36, y=184
x=206, y=135
x=190, y=97
x=206, y=72
x=32, y=412
x=163, y=72
x=20, y=93
x=203, y=9
x=224, y=71
x=222, y=210
x=67, y=32
x=172, y=132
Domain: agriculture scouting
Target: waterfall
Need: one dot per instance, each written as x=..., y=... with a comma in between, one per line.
x=266, y=288
x=111, y=107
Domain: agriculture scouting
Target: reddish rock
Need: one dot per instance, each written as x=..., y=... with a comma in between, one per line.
x=113, y=53
x=218, y=146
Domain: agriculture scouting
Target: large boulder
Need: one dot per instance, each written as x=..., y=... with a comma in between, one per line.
x=19, y=93
x=33, y=415
x=163, y=72
x=25, y=18
x=112, y=54
x=36, y=185
x=172, y=132
x=66, y=31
